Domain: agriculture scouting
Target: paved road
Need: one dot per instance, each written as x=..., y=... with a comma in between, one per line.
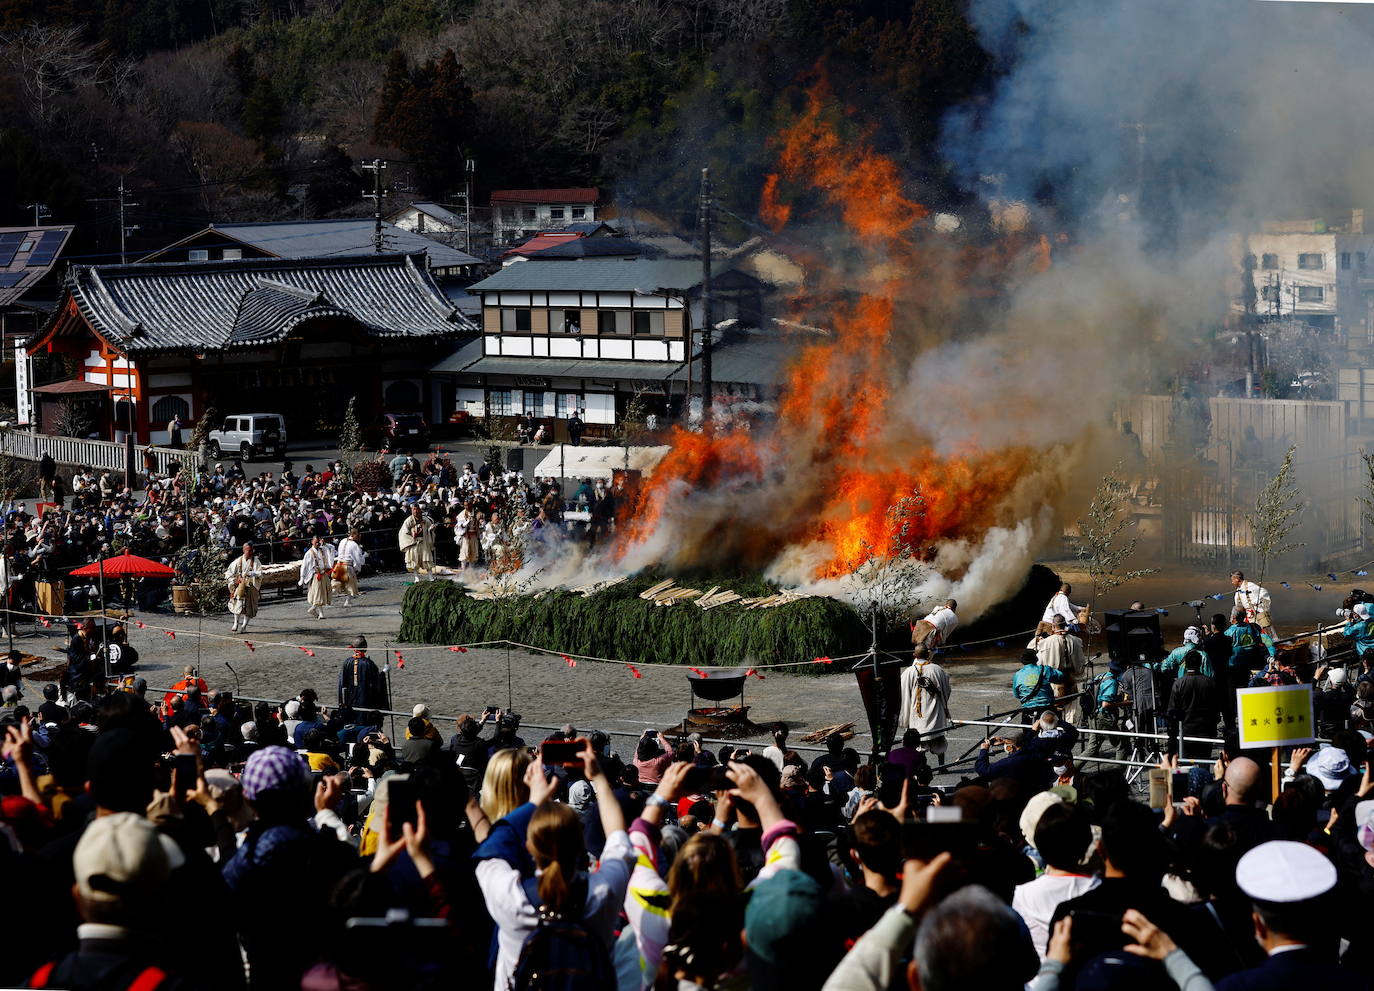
x=543, y=689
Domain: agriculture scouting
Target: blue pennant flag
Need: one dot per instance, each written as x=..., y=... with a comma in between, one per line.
x=1001, y=643
x=1221, y=595
x=1285, y=585
x=1162, y=612
x=1363, y=574
x=1331, y=576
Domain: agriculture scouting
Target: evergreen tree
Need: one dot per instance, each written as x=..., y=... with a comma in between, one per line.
x=395, y=84
x=262, y=115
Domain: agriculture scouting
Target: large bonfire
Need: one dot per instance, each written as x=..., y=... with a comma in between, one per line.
x=859, y=428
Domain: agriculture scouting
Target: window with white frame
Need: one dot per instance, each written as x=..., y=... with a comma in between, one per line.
x=500, y=402
x=198, y=255
x=1311, y=260
x=1269, y=261
x=611, y=322
x=579, y=213
x=1311, y=294
x=555, y=213
x=566, y=404
x=533, y=404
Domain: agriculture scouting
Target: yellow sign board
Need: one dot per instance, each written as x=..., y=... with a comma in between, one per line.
x=1275, y=716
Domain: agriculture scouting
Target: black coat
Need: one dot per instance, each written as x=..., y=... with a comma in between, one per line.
x=1196, y=703
x=362, y=684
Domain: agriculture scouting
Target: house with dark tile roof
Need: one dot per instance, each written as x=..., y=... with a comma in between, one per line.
x=291, y=336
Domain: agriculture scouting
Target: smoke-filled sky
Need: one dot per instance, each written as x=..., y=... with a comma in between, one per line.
x=1248, y=108
x=999, y=406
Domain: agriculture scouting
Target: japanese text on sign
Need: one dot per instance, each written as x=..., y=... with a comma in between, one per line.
x=1274, y=716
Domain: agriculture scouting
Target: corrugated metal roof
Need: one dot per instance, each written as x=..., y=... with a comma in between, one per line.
x=21, y=270
x=328, y=239
x=595, y=275
x=567, y=194
x=242, y=303
x=440, y=213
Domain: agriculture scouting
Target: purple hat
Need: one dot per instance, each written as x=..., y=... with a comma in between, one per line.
x=274, y=769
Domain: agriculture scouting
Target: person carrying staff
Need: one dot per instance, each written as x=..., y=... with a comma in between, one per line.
x=1254, y=600
x=417, y=541
x=1060, y=606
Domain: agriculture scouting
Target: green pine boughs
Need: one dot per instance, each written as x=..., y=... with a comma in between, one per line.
x=616, y=623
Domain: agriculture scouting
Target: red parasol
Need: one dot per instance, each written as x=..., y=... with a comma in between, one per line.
x=125, y=565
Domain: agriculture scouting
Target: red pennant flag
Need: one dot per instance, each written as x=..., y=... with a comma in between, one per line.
x=822, y=660
x=459, y=650
x=634, y=671
x=45, y=621
x=752, y=673
x=140, y=623
x=569, y=661
x=400, y=661
x=249, y=646
x=699, y=673
x=171, y=634
x=307, y=651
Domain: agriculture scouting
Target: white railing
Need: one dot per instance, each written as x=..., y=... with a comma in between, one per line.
x=95, y=453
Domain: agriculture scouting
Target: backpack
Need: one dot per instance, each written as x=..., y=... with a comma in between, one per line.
x=561, y=955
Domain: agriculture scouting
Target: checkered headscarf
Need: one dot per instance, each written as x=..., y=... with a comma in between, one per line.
x=274, y=769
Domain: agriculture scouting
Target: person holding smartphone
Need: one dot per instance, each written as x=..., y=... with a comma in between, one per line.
x=552, y=835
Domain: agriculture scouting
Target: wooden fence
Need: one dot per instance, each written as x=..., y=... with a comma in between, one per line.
x=95, y=453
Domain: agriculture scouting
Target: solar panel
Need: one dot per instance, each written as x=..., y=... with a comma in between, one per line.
x=46, y=250
x=9, y=244
x=8, y=280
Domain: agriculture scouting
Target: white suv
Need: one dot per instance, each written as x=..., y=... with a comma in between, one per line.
x=249, y=434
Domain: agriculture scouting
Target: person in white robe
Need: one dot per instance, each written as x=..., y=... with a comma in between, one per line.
x=1061, y=650
x=1061, y=606
x=925, y=702
x=351, y=555
x=945, y=620
x=417, y=541
x=1254, y=599
x=244, y=576
x=467, y=532
x=315, y=576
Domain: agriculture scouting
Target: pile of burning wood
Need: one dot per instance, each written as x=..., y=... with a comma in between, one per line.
x=668, y=593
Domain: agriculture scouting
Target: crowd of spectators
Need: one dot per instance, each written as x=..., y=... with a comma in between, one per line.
x=197, y=840
x=172, y=516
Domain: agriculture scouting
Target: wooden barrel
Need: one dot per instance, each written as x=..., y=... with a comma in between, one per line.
x=183, y=601
x=51, y=597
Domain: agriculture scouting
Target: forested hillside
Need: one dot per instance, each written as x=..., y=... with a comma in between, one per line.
x=246, y=109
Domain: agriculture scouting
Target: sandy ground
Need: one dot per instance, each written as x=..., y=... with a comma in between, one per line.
x=546, y=692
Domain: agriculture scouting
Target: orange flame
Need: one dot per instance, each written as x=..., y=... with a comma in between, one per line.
x=827, y=471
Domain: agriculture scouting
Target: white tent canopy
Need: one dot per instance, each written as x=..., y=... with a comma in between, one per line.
x=566, y=461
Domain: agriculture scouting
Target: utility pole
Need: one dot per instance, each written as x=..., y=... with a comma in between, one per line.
x=469, y=171
x=706, y=321
x=40, y=213
x=124, y=229
x=376, y=167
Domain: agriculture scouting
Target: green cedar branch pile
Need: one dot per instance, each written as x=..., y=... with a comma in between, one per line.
x=616, y=623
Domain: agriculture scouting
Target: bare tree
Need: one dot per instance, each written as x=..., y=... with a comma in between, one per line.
x=48, y=60
x=73, y=418
x=1278, y=513
x=1101, y=545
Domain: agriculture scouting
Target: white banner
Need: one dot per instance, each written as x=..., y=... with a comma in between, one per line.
x=22, y=378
